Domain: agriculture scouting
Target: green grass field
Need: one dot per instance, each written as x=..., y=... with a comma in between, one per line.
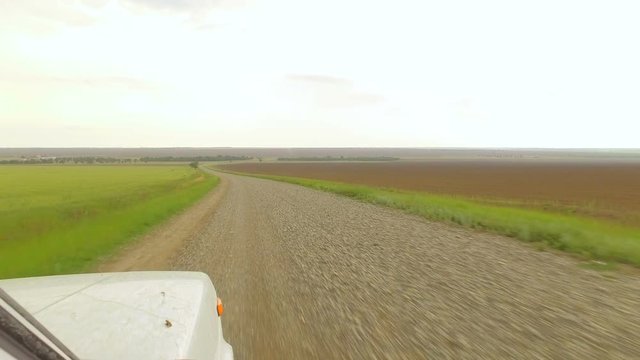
x=586, y=237
x=61, y=219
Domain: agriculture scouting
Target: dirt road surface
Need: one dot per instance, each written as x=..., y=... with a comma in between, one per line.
x=310, y=275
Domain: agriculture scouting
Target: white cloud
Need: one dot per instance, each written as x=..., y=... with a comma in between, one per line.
x=109, y=81
x=339, y=73
x=328, y=91
x=47, y=16
x=174, y=5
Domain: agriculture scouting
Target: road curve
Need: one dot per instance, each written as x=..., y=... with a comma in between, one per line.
x=311, y=275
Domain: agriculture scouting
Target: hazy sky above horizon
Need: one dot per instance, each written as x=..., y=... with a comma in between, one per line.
x=320, y=73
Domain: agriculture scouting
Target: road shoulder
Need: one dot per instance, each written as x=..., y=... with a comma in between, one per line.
x=154, y=250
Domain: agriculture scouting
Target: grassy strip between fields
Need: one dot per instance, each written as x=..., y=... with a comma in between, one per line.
x=76, y=248
x=589, y=238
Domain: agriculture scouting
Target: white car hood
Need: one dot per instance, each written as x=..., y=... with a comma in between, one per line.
x=134, y=315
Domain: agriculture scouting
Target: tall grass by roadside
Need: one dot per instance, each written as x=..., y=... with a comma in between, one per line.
x=61, y=219
x=590, y=238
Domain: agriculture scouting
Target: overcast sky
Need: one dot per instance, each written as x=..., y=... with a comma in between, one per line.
x=543, y=73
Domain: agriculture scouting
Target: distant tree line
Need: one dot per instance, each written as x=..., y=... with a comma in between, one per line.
x=194, y=158
x=70, y=160
x=113, y=160
x=341, y=158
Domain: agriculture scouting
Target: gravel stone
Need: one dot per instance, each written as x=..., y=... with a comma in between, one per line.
x=310, y=275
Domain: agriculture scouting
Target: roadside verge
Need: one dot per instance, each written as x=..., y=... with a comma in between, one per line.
x=154, y=250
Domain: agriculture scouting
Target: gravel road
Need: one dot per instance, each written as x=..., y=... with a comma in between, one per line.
x=310, y=275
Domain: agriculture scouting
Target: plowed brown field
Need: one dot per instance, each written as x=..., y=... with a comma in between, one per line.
x=608, y=190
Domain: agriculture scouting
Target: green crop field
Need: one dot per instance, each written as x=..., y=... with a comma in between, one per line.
x=61, y=219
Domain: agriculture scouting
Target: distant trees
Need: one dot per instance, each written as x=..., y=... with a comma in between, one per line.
x=66, y=160
x=193, y=158
x=341, y=158
x=113, y=160
x=194, y=164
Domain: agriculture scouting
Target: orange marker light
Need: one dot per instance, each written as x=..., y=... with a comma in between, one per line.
x=219, y=307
